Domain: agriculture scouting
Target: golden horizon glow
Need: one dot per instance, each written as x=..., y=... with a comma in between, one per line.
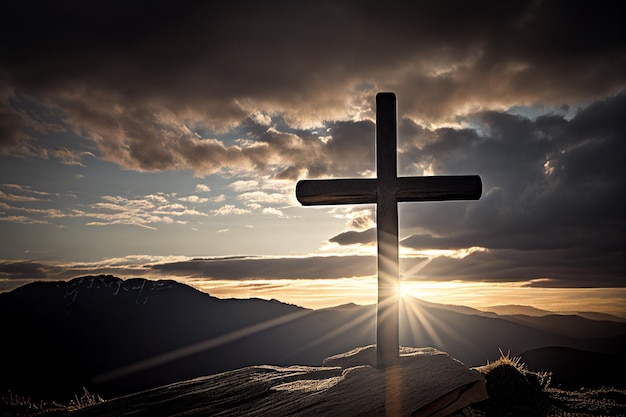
x=325, y=293
x=332, y=292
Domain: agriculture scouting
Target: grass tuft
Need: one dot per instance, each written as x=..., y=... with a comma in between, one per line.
x=84, y=400
x=16, y=405
x=511, y=385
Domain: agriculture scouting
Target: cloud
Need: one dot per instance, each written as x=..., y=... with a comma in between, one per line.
x=48, y=213
x=356, y=218
x=548, y=183
x=235, y=268
x=144, y=211
x=230, y=268
x=264, y=194
x=22, y=269
x=68, y=157
x=15, y=125
x=22, y=220
x=244, y=185
x=22, y=193
x=143, y=102
x=194, y=199
x=13, y=139
x=15, y=198
x=555, y=268
x=413, y=44
x=21, y=204
x=273, y=212
x=352, y=237
x=228, y=209
x=14, y=273
x=263, y=197
x=203, y=188
x=552, y=184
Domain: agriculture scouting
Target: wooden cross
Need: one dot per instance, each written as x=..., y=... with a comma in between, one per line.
x=386, y=191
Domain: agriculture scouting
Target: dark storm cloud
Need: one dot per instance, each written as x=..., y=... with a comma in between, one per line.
x=547, y=268
x=550, y=184
x=352, y=237
x=349, y=150
x=273, y=268
x=11, y=133
x=17, y=273
x=23, y=269
x=136, y=77
x=547, y=182
x=318, y=267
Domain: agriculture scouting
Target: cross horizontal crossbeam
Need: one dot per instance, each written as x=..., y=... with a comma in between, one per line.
x=407, y=189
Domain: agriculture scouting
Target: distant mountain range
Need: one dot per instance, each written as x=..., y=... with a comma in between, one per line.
x=509, y=309
x=514, y=309
x=117, y=336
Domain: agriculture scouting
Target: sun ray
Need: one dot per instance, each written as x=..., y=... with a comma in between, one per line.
x=197, y=347
x=338, y=332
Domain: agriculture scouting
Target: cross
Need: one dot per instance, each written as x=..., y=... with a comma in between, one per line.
x=386, y=191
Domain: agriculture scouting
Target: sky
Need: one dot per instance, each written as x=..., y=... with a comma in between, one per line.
x=164, y=140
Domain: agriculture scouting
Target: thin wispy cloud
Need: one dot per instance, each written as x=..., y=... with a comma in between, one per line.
x=143, y=211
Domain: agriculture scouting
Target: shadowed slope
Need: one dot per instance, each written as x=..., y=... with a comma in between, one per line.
x=575, y=368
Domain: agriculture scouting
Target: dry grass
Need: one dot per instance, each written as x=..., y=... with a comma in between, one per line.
x=15, y=405
x=514, y=391
x=587, y=402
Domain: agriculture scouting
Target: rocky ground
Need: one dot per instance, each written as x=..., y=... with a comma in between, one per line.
x=583, y=403
x=553, y=403
x=605, y=402
x=513, y=391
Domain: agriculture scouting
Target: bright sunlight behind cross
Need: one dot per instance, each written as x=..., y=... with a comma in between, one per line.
x=404, y=290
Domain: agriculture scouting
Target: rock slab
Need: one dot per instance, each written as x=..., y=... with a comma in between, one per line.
x=427, y=382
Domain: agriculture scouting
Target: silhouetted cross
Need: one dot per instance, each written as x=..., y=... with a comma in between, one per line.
x=386, y=191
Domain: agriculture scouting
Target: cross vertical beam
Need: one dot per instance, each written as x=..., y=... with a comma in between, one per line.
x=386, y=191
x=387, y=333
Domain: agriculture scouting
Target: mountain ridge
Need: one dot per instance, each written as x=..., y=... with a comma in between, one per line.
x=513, y=309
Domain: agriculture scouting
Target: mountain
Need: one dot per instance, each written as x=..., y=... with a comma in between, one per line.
x=569, y=325
x=592, y=315
x=459, y=309
x=575, y=368
x=117, y=336
x=516, y=310
x=64, y=333
x=511, y=309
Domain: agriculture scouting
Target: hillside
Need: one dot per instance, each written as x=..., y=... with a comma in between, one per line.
x=116, y=336
x=574, y=368
x=512, y=309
